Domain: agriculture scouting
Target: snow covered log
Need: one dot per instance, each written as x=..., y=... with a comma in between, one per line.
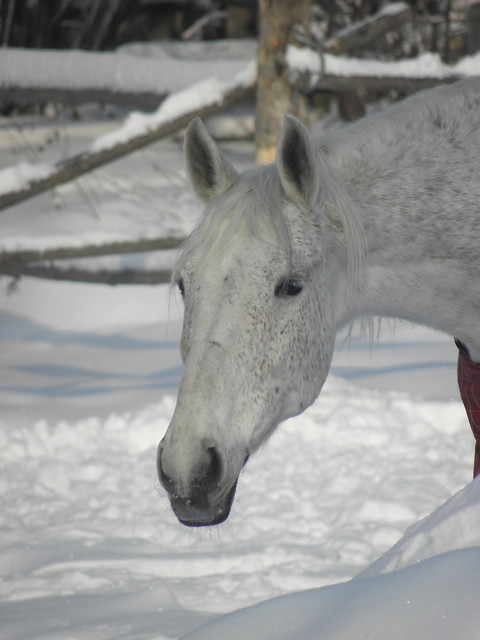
x=29, y=76
x=175, y=112
x=334, y=73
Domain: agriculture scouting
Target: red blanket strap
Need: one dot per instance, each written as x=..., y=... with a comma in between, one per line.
x=469, y=385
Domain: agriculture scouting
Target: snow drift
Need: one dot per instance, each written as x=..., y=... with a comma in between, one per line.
x=89, y=549
x=428, y=596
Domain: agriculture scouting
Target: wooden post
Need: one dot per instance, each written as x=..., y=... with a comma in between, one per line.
x=473, y=27
x=274, y=92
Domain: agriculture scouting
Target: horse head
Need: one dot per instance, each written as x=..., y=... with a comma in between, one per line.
x=259, y=327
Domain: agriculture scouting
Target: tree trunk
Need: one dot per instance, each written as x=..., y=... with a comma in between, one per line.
x=274, y=92
x=473, y=27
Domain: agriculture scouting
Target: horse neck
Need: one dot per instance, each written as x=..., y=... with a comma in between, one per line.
x=414, y=267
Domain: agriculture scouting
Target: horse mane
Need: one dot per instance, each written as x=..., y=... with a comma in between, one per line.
x=336, y=204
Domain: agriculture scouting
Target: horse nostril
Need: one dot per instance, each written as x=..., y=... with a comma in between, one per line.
x=200, y=479
x=215, y=469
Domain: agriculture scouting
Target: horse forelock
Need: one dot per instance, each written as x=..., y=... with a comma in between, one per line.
x=253, y=204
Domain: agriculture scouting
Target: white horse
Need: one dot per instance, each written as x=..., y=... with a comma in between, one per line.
x=381, y=218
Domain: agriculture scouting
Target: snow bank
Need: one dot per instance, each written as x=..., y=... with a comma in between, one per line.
x=454, y=525
x=89, y=546
x=432, y=598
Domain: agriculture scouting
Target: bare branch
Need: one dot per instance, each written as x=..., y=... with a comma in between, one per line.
x=73, y=274
x=380, y=83
x=147, y=100
x=362, y=33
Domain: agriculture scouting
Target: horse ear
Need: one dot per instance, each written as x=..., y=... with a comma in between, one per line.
x=210, y=172
x=296, y=162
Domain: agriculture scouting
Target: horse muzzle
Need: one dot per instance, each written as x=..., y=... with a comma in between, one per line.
x=204, y=496
x=201, y=512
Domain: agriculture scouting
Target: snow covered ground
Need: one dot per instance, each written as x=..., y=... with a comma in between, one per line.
x=89, y=548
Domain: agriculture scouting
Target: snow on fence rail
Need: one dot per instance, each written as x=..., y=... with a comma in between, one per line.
x=202, y=98
x=25, y=180
x=75, y=77
x=212, y=95
x=336, y=73
x=209, y=96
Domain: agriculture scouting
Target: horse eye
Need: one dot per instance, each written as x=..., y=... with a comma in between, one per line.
x=288, y=287
x=181, y=287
